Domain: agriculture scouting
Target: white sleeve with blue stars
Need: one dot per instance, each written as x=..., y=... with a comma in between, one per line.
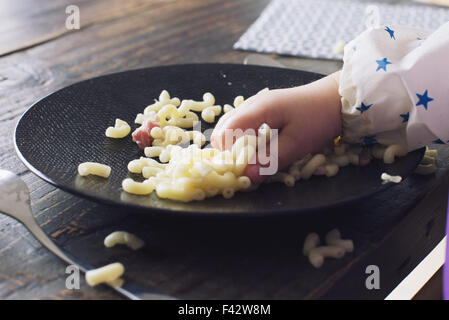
x=395, y=87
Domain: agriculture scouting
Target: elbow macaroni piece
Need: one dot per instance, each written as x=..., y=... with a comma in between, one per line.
x=428, y=163
x=94, y=168
x=295, y=167
x=165, y=155
x=140, y=118
x=187, y=121
x=227, y=108
x=136, y=166
x=318, y=254
x=107, y=274
x=333, y=238
x=164, y=99
x=123, y=237
x=120, y=130
x=168, y=115
x=175, y=135
x=152, y=152
x=386, y=177
x=228, y=193
x=208, y=114
x=141, y=188
x=192, y=105
x=148, y=172
x=431, y=153
x=335, y=248
x=197, y=137
x=341, y=161
x=169, y=135
x=310, y=167
x=238, y=101
x=312, y=241
x=157, y=133
x=393, y=151
x=243, y=182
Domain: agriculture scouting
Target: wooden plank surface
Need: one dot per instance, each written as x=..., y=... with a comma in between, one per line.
x=188, y=259
x=179, y=32
x=26, y=24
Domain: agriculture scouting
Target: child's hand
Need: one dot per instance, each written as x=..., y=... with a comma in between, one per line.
x=307, y=117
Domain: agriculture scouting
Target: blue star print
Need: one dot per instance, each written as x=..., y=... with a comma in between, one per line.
x=382, y=64
x=370, y=139
x=364, y=107
x=405, y=117
x=424, y=99
x=391, y=32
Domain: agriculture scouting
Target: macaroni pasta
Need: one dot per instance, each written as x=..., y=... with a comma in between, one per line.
x=335, y=247
x=94, y=168
x=108, y=274
x=182, y=173
x=386, y=177
x=120, y=130
x=123, y=237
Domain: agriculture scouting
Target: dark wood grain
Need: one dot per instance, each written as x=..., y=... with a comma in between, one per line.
x=40, y=56
x=27, y=23
x=189, y=259
x=179, y=32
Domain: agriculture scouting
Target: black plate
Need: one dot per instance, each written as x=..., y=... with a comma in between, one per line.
x=67, y=128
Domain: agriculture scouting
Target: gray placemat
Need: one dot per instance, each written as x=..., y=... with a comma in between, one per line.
x=311, y=28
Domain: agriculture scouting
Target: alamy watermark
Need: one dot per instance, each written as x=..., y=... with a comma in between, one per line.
x=261, y=149
x=72, y=22
x=372, y=17
x=372, y=282
x=72, y=282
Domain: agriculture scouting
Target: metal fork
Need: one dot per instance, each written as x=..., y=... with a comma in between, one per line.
x=15, y=202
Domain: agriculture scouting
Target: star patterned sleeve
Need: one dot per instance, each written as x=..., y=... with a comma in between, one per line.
x=395, y=87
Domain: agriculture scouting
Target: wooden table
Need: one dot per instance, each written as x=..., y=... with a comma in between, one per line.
x=188, y=259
